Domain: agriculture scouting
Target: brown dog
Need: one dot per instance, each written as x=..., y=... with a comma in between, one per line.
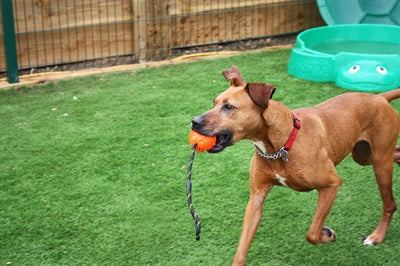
x=300, y=149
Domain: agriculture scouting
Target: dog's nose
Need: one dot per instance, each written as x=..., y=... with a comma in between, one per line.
x=197, y=122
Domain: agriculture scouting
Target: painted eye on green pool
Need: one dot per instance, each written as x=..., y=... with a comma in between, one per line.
x=354, y=69
x=381, y=70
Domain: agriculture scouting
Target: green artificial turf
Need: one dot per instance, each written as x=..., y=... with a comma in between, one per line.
x=93, y=172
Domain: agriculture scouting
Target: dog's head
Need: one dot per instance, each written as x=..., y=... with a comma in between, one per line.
x=237, y=113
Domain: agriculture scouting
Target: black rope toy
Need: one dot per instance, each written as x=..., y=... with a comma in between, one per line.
x=189, y=193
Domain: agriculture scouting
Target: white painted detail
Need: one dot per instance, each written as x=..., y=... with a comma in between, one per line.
x=260, y=145
x=281, y=180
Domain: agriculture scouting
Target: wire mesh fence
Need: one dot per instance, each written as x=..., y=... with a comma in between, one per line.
x=74, y=34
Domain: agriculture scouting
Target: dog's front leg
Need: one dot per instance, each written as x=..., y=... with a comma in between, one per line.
x=251, y=220
x=318, y=233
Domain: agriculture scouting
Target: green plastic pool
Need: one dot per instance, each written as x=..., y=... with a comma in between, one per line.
x=360, y=11
x=362, y=57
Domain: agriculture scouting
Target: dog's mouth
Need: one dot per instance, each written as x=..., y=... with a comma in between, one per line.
x=223, y=140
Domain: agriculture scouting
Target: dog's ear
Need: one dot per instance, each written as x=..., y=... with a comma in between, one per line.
x=260, y=93
x=234, y=76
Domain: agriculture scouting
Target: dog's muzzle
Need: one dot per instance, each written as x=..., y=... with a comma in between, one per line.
x=224, y=137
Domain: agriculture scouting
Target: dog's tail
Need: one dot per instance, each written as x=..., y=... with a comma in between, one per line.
x=391, y=95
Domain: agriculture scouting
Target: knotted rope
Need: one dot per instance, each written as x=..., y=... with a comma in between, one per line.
x=189, y=193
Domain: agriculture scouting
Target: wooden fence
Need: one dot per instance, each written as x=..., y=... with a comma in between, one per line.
x=60, y=32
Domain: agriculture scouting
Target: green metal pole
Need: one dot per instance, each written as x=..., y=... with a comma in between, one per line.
x=10, y=45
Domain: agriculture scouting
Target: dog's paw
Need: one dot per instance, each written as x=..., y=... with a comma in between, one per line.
x=369, y=242
x=327, y=235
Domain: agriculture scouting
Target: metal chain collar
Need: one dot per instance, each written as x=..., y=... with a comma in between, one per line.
x=282, y=153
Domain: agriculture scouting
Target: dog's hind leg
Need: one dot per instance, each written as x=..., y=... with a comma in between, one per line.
x=383, y=172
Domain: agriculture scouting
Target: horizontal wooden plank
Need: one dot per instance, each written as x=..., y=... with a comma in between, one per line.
x=187, y=7
x=74, y=45
x=46, y=15
x=207, y=28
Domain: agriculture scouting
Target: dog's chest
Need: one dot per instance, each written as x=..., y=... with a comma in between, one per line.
x=281, y=180
x=260, y=145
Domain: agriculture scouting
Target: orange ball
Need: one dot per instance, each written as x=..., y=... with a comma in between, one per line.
x=204, y=143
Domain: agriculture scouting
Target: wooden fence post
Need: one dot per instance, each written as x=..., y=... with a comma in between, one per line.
x=140, y=34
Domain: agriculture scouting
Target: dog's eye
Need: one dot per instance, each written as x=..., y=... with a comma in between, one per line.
x=228, y=107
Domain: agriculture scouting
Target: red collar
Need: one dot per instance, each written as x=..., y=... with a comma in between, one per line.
x=282, y=153
x=292, y=137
